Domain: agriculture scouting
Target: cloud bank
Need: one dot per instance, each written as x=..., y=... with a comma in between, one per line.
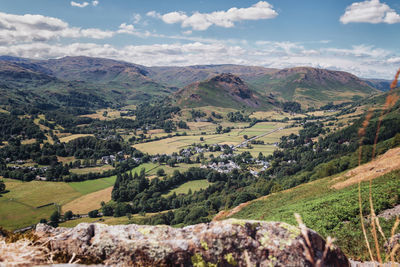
x=202, y=21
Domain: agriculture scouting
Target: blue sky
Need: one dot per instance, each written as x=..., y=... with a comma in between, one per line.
x=356, y=36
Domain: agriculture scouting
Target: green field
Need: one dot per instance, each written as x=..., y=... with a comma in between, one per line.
x=18, y=207
x=90, y=186
x=196, y=185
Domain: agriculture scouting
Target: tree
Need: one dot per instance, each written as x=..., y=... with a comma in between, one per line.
x=160, y=172
x=54, y=218
x=245, y=136
x=171, y=162
x=2, y=186
x=68, y=215
x=93, y=213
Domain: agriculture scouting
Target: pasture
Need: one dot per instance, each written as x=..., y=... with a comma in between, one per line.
x=196, y=185
x=71, y=137
x=98, y=169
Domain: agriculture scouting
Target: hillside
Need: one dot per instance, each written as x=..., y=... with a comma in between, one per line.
x=125, y=83
x=224, y=90
x=330, y=205
x=111, y=80
x=313, y=87
x=184, y=76
x=28, y=84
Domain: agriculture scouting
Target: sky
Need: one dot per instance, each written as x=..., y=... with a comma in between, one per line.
x=360, y=37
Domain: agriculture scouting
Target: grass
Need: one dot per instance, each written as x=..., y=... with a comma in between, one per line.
x=73, y=137
x=196, y=185
x=86, y=203
x=99, y=169
x=169, y=170
x=327, y=210
x=18, y=207
x=65, y=160
x=90, y=186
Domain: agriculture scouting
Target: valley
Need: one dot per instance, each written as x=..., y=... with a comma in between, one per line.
x=97, y=140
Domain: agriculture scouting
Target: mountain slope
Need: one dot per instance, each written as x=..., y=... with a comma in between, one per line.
x=127, y=82
x=184, y=76
x=224, y=90
x=312, y=87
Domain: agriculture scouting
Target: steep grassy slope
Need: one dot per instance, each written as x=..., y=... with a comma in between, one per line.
x=330, y=211
x=225, y=90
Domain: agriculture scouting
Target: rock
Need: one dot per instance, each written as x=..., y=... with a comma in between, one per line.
x=222, y=243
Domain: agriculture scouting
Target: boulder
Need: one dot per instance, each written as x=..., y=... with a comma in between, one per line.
x=221, y=243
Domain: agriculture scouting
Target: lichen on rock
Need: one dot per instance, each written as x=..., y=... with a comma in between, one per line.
x=222, y=243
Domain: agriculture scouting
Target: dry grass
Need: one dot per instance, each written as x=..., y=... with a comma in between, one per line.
x=99, y=169
x=23, y=253
x=386, y=163
x=376, y=228
x=65, y=160
x=86, y=203
x=28, y=141
x=73, y=137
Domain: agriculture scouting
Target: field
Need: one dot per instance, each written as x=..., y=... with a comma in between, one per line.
x=92, y=169
x=196, y=185
x=90, y=186
x=18, y=208
x=73, y=137
x=88, y=202
x=111, y=114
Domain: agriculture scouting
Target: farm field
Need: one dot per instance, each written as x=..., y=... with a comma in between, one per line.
x=18, y=208
x=174, y=144
x=111, y=114
x=196, y=185
x=86, y=203
x=92, y=169
x=73, y=137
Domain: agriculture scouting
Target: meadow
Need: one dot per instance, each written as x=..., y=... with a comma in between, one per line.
x=19, y=207
x=196, y=185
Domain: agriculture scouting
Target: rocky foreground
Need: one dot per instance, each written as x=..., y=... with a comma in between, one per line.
x=222, y=243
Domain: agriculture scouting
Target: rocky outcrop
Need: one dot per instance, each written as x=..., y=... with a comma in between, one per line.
x=222, y=243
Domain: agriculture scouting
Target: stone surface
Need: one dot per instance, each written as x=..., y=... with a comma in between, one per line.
x=222, y=243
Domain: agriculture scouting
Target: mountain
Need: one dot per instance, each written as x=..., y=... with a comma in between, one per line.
x=311, y=86
x=107, y=82
x=184, y=76
x=28, y=84
x=380, y=84
x=224, y=90
x=119, y=83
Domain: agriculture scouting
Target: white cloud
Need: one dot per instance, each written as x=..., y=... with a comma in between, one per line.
x=361, y=60
x=202, y=21
x=370, y=11
x=81, y=5
x=37, y=28
x=136, y=18
x=95, y=3
x=153, y=14
x=126, y=28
